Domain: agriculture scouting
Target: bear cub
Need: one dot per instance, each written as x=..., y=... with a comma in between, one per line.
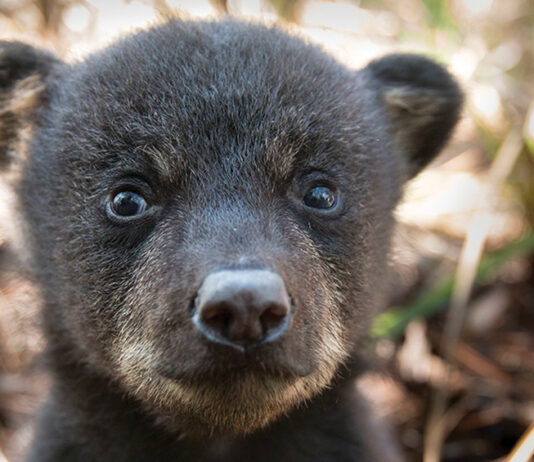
x=209, y=208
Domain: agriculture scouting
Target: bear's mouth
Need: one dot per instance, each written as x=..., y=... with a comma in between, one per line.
x=223, y=363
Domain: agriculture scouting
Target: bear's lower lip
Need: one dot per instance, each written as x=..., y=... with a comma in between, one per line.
x=209, y=360
x=216, y=370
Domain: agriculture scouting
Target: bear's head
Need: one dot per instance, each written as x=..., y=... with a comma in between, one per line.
x=209, y=208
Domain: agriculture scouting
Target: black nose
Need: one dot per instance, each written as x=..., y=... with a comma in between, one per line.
x=242, y=307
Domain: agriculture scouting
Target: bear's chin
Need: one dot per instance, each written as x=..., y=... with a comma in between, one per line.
x=235, y=405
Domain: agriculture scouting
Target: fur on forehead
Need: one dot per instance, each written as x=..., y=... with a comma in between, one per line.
x=217, y=91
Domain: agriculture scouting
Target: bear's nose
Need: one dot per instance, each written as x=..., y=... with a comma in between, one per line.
x=240, y=308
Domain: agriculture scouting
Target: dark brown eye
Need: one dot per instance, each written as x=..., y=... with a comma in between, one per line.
x=320, y=197
x=128, y=204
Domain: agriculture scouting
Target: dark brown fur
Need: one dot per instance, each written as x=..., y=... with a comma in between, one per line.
x=222, y=127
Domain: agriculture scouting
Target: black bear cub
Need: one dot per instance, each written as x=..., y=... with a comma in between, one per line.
x=209, y=209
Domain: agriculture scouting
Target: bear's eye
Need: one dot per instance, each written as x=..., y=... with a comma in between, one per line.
x=128, y=204
x=320, y=197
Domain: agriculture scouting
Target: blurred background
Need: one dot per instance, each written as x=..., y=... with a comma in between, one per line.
x=454, y=367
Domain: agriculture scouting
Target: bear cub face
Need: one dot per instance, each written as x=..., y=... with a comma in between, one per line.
x=209, y=207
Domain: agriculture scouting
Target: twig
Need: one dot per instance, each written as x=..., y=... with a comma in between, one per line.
x=3, y=458
x=524, y=449
x=465, y=276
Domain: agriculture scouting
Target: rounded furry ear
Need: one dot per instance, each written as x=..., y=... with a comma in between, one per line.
x=422, y=103
x=23, y=70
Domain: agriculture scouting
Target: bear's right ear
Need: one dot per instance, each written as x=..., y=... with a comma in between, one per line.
x=23, y=70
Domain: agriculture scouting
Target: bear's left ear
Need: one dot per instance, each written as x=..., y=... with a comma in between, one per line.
x=422, y=103
x=23, y=70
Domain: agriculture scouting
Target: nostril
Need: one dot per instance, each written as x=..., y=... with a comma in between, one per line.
x=218, y=318
x=273, y=317
x=216, y=313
